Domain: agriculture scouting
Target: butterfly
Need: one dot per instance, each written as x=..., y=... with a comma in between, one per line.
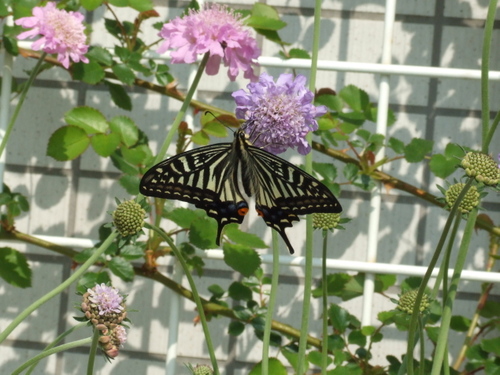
x=215, y=177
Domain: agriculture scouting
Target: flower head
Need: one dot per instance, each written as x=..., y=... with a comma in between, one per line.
x=407, y=301
x=278, y=114
x=61, y=32
x=112, y=340
x=216, y=30
x=128, y=217
x=482, y=167
x=106, y=298
x=470, y=200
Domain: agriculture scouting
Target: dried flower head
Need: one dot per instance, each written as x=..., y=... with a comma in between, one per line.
x=278, y=114
x=128, y=217
x=216, y=30
x=470, y=200
x=60, y=32
x=482, y=167
x=104, y=305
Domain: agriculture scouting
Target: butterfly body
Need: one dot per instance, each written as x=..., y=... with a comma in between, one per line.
x=217, y=178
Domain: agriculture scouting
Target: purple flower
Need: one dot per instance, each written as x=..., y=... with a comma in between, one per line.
x=107, y=299
x=216, y=30
x=278, y=115
x=61, y=32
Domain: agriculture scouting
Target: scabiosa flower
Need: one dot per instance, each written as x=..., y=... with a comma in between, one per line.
x=482, y=167
x=278, y=114
x=104, y=306
x=216, y=30
x=112, y=340
x=406, y=302
x=128, y=218
x=61, y=32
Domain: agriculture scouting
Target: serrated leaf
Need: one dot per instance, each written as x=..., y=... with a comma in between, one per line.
x=417, y=149
x=91, y=279
x=120, y=163
x=200, y=138
x=241, y=258
x=119, y=96
x=91, y=72
x=326, y=123
x=236, y=328
x=131, y=252
x=14, y=268
x=126, y=128
x=105, y=144
x=215, y=128
x=183, y=217
x=202, y=233
x=121, y=268
x=297, y=53
x=141, y=5
x=397, y=145
x=216, y=290
x=91, y=4
x=130, y=184
x=134, y=155
x=87, y=118
x=316, y=358
x=335, y=285
x=333, y=102
x=356, y=338
x=491, y=345
x=238, y=291
x=357, y=99
x=67, y=143
x=339, y=318
x=124, y=73
x=101, y=55
x=233, y=232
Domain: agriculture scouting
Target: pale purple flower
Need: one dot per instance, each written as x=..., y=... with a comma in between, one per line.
x=120, y=334
x=107, y=299
x=278, y=115
x=216, y=30
x=60, y=32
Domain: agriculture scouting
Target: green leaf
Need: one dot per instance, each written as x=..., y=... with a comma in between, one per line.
x=10, y=45
x=121, y=268
x=202, y=233
x=131, y=252
x=90, y=4
x=416, y=150
x=297, y=53
x=105, y=144
x=91, y=72
x=134, y=155
x=397, y=145
x=357, y=99
x=241, y=258
x=490, y=309
x=216, y=290
x=432, y=333
x=491, y=345
x=238, y=291
x=67, y=143
x=124, y=73
x=130, y=184
x=384, y=282
x=200, y=138
x=120, y=163
x=443, y=165
x=88, y=119
x=331, y=101
x=316, y=358
x=14, y=268
x=119, y=96
x=265, y=23
x=215, y=128
x=265, y=11
x=236, y=328
x=350, y=172
x=101, y=55
x=291, y=354
x=183, y=217
x=141, y=5
x=357, y=338
x=339, y=318
x=275, y=368
x=460, y=323
x=91, y=279
x=233, y=232
x=126, y=128
x=335, y=285
x=368, y=330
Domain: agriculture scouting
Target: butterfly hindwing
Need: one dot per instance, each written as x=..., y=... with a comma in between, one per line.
x=203, y=177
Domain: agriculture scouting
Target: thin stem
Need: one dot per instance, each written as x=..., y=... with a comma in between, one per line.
x=46, y=353
x=485, y=68
x=442, y=340
x=493, y=128
x=270, y=305
x=13, y=119
x=92, y=352
x=324, y=343
x=182, y=111
x=422, y=344
x=70, y=280
x=418, y=300
x=306, y=306
x=194, y=290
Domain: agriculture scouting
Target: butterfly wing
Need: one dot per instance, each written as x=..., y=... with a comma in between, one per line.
x=284, y=191
x=204, y=177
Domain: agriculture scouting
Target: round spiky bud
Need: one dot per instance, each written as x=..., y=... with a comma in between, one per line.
x=325, y=220
x=407, y=302
x=129, y=218
x=470, y=200
x=202, y=370
x=482, y=167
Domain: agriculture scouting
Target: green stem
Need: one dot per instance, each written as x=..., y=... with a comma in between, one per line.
x=194, y=290
x=422, y=345
x=70, y=280
x=58, y=339
x=182, y=111
x=485, y=68
x=493, y=128
x=324, y=344
x=46, y=353
x=306, y=306
x=13, y=119
x=442, y=340
x=270, y=305
x=92, y=352
x=418, y=300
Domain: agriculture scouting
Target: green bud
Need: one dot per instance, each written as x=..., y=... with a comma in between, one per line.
x=325, y=220
x=129, y=218
x=407, y=302
x=470, y=200
x=482, y=167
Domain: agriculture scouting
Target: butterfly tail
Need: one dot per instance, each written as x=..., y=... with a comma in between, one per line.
x=287, y=241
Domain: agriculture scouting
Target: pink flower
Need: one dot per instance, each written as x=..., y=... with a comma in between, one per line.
x=216, y=30
x=61, y=32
